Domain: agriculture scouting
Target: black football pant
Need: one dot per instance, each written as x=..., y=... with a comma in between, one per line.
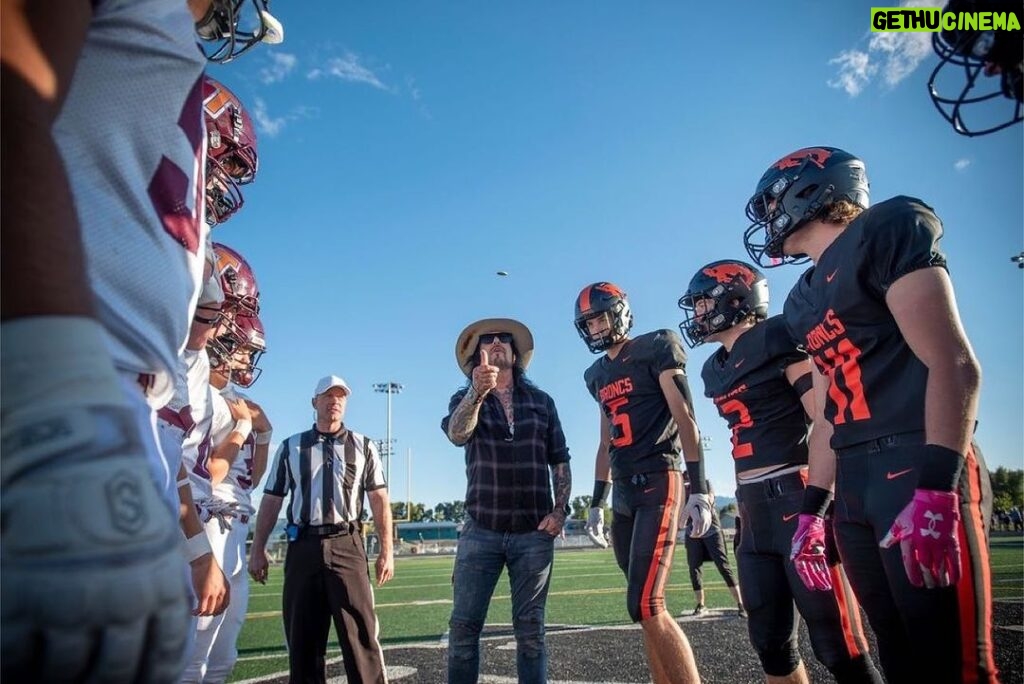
x=770, y=586
x=924, y=635
x=644, y=524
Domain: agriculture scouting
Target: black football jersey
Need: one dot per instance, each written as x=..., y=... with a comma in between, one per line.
x=837, y=309
x=750, y=390
x=645, y=437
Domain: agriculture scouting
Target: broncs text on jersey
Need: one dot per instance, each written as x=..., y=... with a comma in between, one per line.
x=826, y=331
x=620, y=387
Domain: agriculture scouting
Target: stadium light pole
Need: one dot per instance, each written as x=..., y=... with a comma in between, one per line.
x=388, y=388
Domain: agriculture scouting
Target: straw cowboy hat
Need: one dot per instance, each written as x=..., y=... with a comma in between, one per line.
x=468, y=339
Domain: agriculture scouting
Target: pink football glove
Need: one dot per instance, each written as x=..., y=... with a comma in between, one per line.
x=808, y=553
x=926, y=531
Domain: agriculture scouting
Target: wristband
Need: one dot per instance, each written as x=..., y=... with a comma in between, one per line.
x=695, y=470
x=816, y=501
x=197, y=547
x=601, y=489
x=264, y=437
x=183, y=482
x=940, y=468
x=803, y=384
x=243, y=426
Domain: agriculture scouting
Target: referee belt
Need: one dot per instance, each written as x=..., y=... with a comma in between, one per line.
x=335, y=530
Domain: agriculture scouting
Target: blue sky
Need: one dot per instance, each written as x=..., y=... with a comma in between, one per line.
x=408, y=151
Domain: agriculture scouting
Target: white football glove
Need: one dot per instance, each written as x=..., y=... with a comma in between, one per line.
x=698, y=511
x=223, y=511
x=91, y=575
x=595, y=527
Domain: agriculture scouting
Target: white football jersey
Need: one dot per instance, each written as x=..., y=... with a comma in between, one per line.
x=238, y=484
x=195, y=450
x=132, y=138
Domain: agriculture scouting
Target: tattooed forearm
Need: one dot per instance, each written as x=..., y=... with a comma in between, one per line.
x=561, y=480
x=463, y=420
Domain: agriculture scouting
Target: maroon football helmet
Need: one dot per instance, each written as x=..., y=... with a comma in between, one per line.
x=237, y=350
x=241, y=293
x=248, y=330
x=231, y=159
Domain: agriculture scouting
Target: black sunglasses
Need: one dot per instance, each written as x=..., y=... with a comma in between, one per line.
x=504, y=338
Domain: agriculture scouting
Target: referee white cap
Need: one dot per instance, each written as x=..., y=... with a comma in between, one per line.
x=329, y=381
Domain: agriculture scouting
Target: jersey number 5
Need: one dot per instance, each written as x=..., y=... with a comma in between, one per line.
x=622, y=432
x=840, y=363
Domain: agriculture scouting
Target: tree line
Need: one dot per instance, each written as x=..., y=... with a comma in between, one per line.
x=1007, y=491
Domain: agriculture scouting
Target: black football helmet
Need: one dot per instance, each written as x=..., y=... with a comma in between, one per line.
x=227, y=30
x=980, y=54
x=595, y=300
x=792, y=191
x=736, y=290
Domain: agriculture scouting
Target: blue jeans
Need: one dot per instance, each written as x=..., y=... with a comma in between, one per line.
x=480, y=559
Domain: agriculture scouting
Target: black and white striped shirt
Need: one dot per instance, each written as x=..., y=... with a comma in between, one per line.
x=326, y=476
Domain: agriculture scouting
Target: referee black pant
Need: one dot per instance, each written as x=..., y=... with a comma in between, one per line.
x=326, y=578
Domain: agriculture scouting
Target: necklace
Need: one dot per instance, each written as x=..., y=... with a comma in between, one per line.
x=505, y=397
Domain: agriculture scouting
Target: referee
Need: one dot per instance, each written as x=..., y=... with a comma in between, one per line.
x=326, y=470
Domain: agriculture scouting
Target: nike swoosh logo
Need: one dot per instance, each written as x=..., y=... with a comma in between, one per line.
x=830, y=276
x=739, y=363
x=787, y=518
x=648, y=491
x=892, y=476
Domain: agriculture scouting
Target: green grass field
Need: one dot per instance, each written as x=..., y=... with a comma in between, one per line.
x=586, y=588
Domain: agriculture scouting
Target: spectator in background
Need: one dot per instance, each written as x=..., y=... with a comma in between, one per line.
x=708, y=547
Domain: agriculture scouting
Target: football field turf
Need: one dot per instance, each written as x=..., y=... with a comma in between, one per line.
x=587, y=591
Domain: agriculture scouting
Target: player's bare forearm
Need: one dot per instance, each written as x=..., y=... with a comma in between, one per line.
x=561, y=482
x=464, y=417
x=689, y=438
x=259, y=463
x=188, y=516
x=951, y=405
x=821, y=460
x=42, y=267
x=380, y=504
x=223, y=456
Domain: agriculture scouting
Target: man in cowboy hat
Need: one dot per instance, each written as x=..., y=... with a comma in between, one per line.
x=515, y=454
